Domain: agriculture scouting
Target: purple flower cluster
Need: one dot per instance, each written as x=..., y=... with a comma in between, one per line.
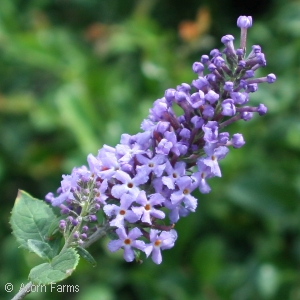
x=151, y=175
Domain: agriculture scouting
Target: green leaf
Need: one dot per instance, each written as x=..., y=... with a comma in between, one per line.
x=61, y=267
x=30, y=220
x=53, y=227
x=86, y=256
x=42, y=249
x=55, y=244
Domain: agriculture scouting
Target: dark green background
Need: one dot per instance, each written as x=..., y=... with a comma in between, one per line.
x=75, y=74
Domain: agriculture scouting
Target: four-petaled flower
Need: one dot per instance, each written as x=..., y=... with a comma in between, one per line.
x=127, y=242
x=121, y=212
x=147, y=208
x=162, y=241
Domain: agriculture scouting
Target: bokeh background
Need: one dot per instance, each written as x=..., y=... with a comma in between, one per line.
x=76, y=74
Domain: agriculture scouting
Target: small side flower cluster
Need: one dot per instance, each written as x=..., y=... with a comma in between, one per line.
x=151, y=175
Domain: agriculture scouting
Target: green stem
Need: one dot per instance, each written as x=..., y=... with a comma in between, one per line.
x=99, y=233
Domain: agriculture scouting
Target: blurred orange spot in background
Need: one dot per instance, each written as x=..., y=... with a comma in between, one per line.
x=192, y=30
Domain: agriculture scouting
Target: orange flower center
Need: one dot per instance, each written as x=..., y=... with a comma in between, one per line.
x=127, y=241
x=186, y=191
x=157, y=243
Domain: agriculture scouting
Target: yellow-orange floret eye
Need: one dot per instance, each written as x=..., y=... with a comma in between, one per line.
x=130, y=185
x=127, y=241
x=185, y=191
x=174, y=175
x=157, y=243
x=147, y=207
x=122, y=212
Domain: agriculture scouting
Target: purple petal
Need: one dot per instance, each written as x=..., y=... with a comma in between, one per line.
x=204, y=188
x=110, y=209
x=118, y=190
x=114, y=245
x=139, y=245
x=126, y=201
x=138, y=211
x=148, y=249
x=134, y=233
x=140, y=178
x=131, y=217
x=221, y=152
x=157, y=213
x=128, y=254
x=156, y=256
x=142, y=159
x=176, y=197
x=154, y=235
x=141, y=198
x=146, y=217
x=118, y=221
x=184, y=182
x=168, y=182
x=190, y=202
x=156, y=200
x=121, y=233
x=122, y=176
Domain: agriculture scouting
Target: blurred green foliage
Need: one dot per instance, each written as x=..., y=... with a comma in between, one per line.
x=77, y=74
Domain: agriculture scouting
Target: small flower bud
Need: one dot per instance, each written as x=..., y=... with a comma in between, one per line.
x=74, y=222
x=239, y=52
x=244, y=22
x=83, y=236
x=228, y=86
x=228, y=108
x=237, y=140
x=204, y=59
x=97, y=206
x=261, y=109
x=64, y=210
x=198, y=68
x=92, y=218
x=252, y=88
x=49, y=197
x=76, y=235
x=211, y=97
x=62, y=224
x=271, y=78
x=70, y=218
x=223, y=137
x=85, y=228
x=246, y=116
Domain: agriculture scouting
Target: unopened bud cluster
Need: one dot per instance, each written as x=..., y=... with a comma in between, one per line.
x=144, y=185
